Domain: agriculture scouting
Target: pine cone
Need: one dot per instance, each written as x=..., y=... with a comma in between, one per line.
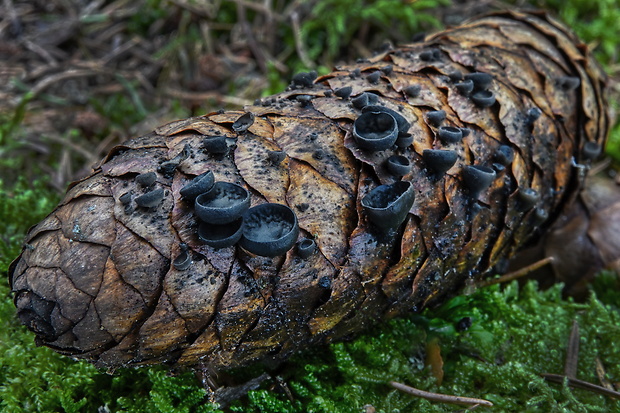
x=380, y=188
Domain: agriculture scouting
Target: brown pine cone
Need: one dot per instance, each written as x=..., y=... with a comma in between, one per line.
x=374, y=190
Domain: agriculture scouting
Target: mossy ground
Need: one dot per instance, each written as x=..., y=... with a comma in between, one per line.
x=517, y=332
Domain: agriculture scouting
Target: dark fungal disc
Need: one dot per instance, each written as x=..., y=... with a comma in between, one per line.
x=374, y=77
x=504, y=155
x=276, y=157
x=387, y=206
x=568, y=82
x=484, y=98
x=343, y=92
x=403, y=124
x=413, y=90
x=398, y=165
x=528, y=198
x=243, y=123
x=151, y=199
x=221, y=236
x=182, y=261
x=224, y=203
x=125, y=198
x=304, y=79
x=481, y=80
x=591, y=150
x=436, y=117
x=375, y=131
x=439, y=160
x=532, y=115
x=387, y=69
x=477, y=178
x=450, y=134
x=199, y=185
x=360, y=101
x=465, y=87
x=404, y=140
x=306, y=247
x=269, y=230
x=217, y=144
x=146, y=179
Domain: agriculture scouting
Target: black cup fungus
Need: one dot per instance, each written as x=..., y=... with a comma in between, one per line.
x=343, y=92
x=484, y=98
x=224, y=203
x=439, y=160
x=146, y=179
x=413, y=90
x=450, y=134
x=465, y=87
x=150, y=199
x=183, y=261
x=387, y=206
x=591, y=150
x=269, y=230
x=306, y=247
x=481, y=80
x=221, y=236
x=375, y=131
x=436, y=117
x=403, y=124
x=217, y=144
x=569, y=82
x=199, y=185
x=243, y=122
x=528, y=198
x=477, y=178
x=504, y=155
x=398, y=165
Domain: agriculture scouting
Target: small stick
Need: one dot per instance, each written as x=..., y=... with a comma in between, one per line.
x=580, y=384
x=517, y=274
x=438, y=397
x=572, y=352
x=600, y=373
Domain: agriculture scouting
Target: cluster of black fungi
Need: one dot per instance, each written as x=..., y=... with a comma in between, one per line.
x=226, y=218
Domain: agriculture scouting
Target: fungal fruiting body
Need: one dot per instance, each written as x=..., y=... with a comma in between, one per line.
x=350, y=197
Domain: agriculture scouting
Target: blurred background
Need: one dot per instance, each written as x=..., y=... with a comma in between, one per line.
x=79, y=76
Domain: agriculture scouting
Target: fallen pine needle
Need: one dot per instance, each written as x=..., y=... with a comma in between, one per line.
x=438, y=397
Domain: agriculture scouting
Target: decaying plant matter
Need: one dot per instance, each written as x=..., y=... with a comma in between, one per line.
x=377, y=189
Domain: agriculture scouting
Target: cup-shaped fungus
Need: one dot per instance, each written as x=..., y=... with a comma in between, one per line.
x=481, y=80
x=387, y=206
x=436, y=117
x=450, y=134
x=465, y=87
x=182, y=261
x=146, y=179
x=306, y=247
x=591, y=150
x=217, y=144
x=477, y=178
x=243, y=123
x=398, y=165
x=150, y=199
x=439, y=160
x=484, y=98
x=528, y=198
x=224, y=203
x=221, y=236
x=403, y=124
x=375, y=131
x=269, y=230
x=199, y=185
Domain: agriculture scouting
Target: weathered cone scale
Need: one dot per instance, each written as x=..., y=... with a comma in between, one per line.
x=104, y=280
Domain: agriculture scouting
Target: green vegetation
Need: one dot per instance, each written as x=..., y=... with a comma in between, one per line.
x=517, y=332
